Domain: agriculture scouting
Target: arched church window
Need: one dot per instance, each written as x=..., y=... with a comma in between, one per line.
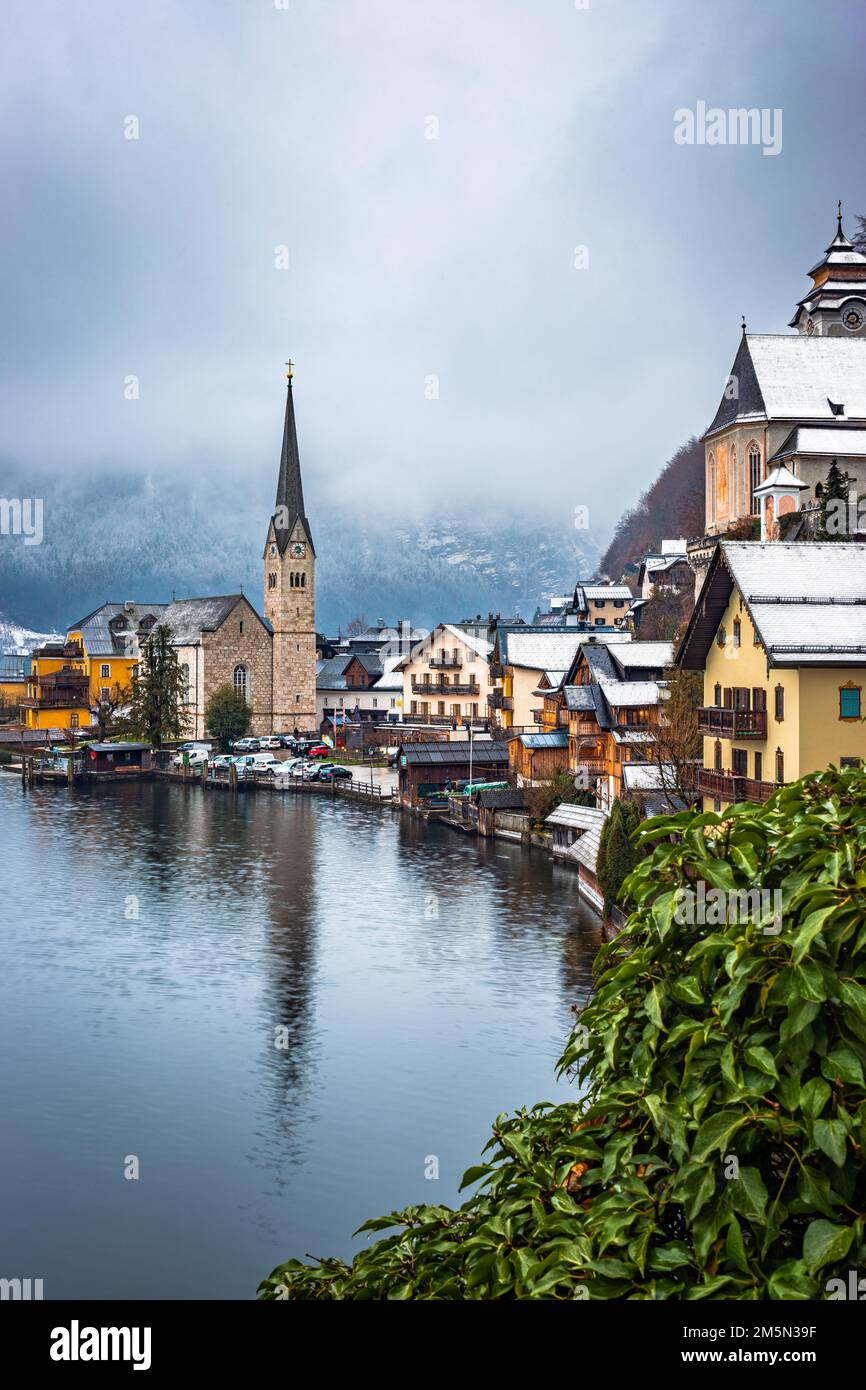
x=240, y=680
x=754, y=457
x=184, y=670
x=272, y=580
x=712, y=487
x=303, y=579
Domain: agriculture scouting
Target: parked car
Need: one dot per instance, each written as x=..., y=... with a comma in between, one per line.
x=289, y=741
x=271, y=741
x=319, y=750
x=194, y=743
x=311, y=772
x=194, y=757
x=328, y=772
x=222, y=760
x=257, y=762
x=246, y=745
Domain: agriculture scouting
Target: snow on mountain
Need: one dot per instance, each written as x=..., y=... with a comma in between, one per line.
x=115, y=538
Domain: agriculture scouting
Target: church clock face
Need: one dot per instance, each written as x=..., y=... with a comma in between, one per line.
x=298, y=550
x=853, y=320
x=810, y=327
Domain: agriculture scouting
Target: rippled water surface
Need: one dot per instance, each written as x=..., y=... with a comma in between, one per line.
x=155, y=938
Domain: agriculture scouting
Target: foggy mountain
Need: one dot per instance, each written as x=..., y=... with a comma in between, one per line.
x=126, y=537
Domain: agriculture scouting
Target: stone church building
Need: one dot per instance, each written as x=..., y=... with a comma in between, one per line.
x=793, y=403
x=271, y=660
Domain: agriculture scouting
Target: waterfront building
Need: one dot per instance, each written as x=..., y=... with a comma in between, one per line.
x=222, y=640
x=576, y=837
x=427, y=765
x=446, y=677
x=58, y=688
x=360, y=685
x=537, y=757
x=779, y=632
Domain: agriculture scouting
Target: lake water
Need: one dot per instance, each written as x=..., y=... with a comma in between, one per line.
x=155, y=938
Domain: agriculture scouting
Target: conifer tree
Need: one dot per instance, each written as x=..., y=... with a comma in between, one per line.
x=834, y=505
x=156, y=709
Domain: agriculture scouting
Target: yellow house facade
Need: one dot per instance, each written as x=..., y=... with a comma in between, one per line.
x=779, y=632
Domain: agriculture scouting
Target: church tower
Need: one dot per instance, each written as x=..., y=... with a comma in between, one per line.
x=290, y=591
x=835, y=306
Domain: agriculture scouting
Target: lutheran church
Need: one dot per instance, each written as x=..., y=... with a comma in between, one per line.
x=792, y=404
x=271, y=660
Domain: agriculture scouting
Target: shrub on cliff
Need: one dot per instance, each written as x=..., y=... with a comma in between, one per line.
x=718, y=1150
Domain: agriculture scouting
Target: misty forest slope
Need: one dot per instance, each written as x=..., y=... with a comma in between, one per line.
x=129, y=537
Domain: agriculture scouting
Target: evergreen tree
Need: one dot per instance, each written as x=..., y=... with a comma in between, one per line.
x=617, y=855
x=156, y=709
x=834, y=500
x=227, y=716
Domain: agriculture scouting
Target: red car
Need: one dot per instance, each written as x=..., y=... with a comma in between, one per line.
x=320, y=750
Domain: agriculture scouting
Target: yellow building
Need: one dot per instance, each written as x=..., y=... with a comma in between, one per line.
x=779, y=632
x=58, y=689
x=100, y=653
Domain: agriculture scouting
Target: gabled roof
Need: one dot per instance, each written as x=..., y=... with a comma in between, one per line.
x=478, y=645
x=188, y=618
x=794, y=377
x=99, y=631
x=578, y=697
x=485, y=752
x=578, y=817
x=540, y=651
x=607, y=591
x=807, y=602
x=644, y=655
x=631, y=693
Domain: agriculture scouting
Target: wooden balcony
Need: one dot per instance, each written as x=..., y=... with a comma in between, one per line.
x=441, y=687
x=726, y=786
x=446, y=663
x=498, y=700
x=732, y=723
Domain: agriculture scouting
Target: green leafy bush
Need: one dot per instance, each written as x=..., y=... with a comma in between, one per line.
x=718, y=1151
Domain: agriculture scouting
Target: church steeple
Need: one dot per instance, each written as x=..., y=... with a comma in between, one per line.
x=289, y=504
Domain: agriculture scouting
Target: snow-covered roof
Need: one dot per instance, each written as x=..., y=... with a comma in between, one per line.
x=628, y=693
x=633, y=736
x=780, y=476
x=825, y=440
x=807, y=601
x=576, y=817
x=606, y=591
x=647, y=777
x=541, y=651
x=800, y=375
x=645, y=654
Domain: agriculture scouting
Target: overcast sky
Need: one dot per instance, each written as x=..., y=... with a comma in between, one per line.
x=409, y=257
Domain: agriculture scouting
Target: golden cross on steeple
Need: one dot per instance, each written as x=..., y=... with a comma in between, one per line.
x=290, y=364
x=839, y=214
